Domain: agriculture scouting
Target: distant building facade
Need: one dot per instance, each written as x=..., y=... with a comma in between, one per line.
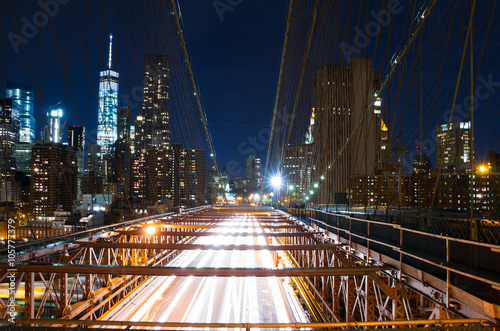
x=52, y=132
x=189, y=176
x=54, y=172
x=155, y=107
x=342, y=95
x=9, y=134
x=23, y=96
x=298, y=169
x=454, y=140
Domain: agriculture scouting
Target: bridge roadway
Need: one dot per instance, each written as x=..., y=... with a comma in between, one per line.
x=216, y=267
x=216, y=299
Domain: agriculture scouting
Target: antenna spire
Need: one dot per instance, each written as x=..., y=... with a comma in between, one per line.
x=110, y=61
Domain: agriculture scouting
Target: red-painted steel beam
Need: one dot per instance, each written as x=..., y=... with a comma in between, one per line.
x=199, y=272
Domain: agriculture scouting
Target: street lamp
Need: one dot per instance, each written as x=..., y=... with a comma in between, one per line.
x=276, y=183
x=483, y=168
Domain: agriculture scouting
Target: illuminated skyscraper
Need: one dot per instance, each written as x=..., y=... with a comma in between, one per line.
x=155, y=108
x=341, y=98
x=23, y=95
x=189, y=176
x=457, y=153
x=254, y=172
x=107, y=118
x=124, y=123
x=9, y=134
x=52, y=132
x=76, y=139
x=251, y=171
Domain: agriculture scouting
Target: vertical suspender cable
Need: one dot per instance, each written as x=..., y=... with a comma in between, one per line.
x=303, y=70
x=278, y=91
x=457, y=85
x=197, y=95
x=471, y=136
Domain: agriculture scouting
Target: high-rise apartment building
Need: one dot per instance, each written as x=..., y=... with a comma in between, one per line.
x=122, y=168
x=251, y=171
x=54, y=172
x=421, y=164
x=152, y=161
x=9, y=134
x=457, y=153
x=254, y=172
x=258, y=173
x=107, y=118
x=155, y=107
x=158, y=171
x=298, y=169
x=124, y=123
x=76, y=139
x=189, y=176
x=344, y=99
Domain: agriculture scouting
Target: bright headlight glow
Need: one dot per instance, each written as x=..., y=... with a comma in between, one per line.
x=150, y=230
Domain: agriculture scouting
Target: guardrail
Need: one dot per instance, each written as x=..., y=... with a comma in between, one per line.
x=481, y=230
x=71, y=237
x=461, y=263
x=474, y=324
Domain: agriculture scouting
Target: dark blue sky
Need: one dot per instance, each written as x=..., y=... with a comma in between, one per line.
x=235, y=61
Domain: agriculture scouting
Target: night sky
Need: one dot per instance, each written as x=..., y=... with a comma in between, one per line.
x=235, y=60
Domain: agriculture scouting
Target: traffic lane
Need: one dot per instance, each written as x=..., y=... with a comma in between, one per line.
x=213, y=299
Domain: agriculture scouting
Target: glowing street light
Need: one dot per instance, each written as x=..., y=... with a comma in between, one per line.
x=291, y=187
x=483, y=168
x=316, y=185
x=150, y=230
x=276, y=182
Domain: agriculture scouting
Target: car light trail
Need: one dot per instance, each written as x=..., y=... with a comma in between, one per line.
x=216, y=299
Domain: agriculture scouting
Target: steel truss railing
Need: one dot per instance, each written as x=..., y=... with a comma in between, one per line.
x=436, y=266
x=94, y=272
x=448, y=323
x=82, y=293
